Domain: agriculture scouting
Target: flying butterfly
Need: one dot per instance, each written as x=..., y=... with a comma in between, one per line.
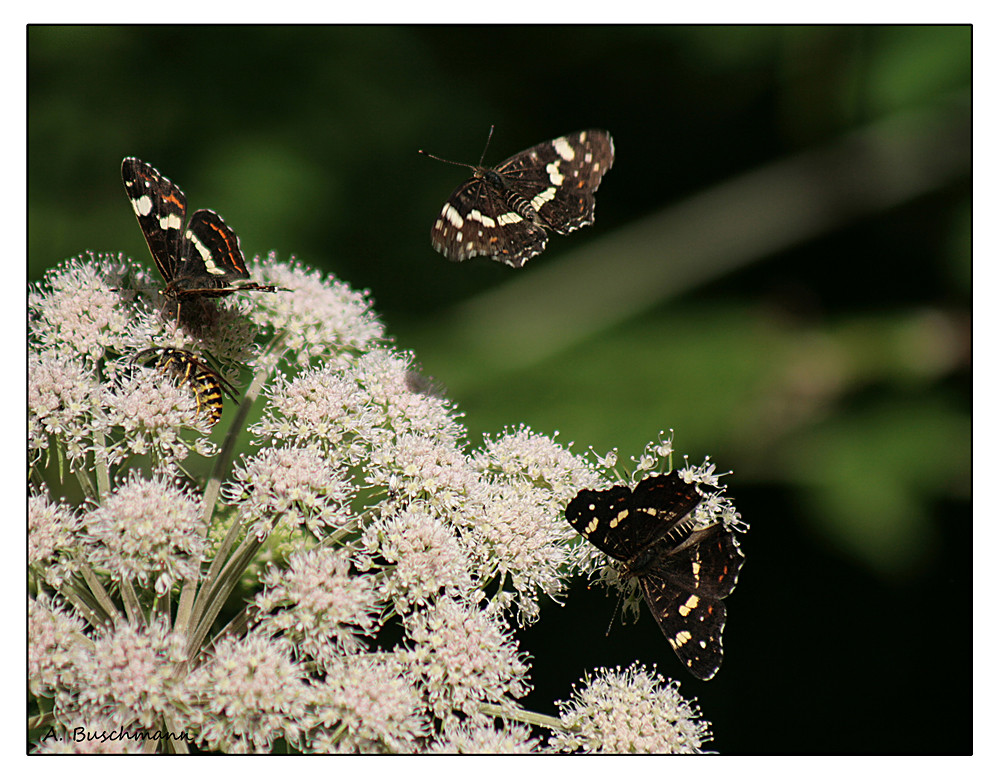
x=204, y=259
x=185, y=367
x=505, y=212
x=684, y=573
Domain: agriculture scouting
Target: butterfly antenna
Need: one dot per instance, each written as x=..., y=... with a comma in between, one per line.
x=488, y=138
x=435, y=157
x=455, y=162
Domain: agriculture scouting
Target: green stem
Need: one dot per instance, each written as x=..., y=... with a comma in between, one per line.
x=190, y=608
x=133, y=608
x=85, y=485
x=217, y=592
x=101, y=466
x=97, y=590
x=521, y=715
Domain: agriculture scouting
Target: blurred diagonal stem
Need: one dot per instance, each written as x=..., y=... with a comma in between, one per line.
x=793, y=200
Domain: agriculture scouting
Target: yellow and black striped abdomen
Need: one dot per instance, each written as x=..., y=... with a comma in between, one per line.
x=186, y=368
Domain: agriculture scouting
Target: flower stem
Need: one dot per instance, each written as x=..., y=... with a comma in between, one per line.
x=521, y=715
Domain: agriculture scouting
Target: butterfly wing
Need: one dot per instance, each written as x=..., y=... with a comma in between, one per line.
x=691, y=624
x=684, y=589
x=475, y=220
x=601, y=517
x=625, y=523
x=160, y=207
x=559, y=177
x=211, y=257
x=709, y=568
x=668, y=499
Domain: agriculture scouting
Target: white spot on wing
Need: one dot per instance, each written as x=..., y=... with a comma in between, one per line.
x=552, y=169
x=143, y=206
x=509, y=218
x=563, y=148
x=204, y=253
x=543, y=198
x=453, y=216
x=689, y=605
x=171, y=220
x=478, y=216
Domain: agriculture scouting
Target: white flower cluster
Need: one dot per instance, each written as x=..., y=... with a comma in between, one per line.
x=353, y=586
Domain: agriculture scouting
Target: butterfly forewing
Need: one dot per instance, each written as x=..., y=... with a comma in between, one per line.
x=668, y=499
x=161, y=209
x=561, y=176
x=597, y=515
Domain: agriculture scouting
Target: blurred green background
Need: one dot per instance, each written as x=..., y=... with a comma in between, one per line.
x=780, y=272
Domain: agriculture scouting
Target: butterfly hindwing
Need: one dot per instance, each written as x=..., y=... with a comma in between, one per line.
x=213, y=256
x=708, y=568
x=691, y=624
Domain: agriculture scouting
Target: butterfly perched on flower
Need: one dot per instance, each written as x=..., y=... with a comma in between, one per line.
x=684, y=571
x=506, y=212
x=202, y=259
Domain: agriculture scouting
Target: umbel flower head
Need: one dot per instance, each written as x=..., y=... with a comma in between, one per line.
x=629, y=711
x=340, y=574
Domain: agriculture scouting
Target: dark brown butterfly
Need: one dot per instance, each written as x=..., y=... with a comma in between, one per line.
x=505, y=212
x=684, y=573
x=203, y=259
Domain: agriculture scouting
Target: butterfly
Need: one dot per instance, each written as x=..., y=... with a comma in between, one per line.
x=185, y=367
x=204, y=259
x=683, y=572
x=506, y=212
